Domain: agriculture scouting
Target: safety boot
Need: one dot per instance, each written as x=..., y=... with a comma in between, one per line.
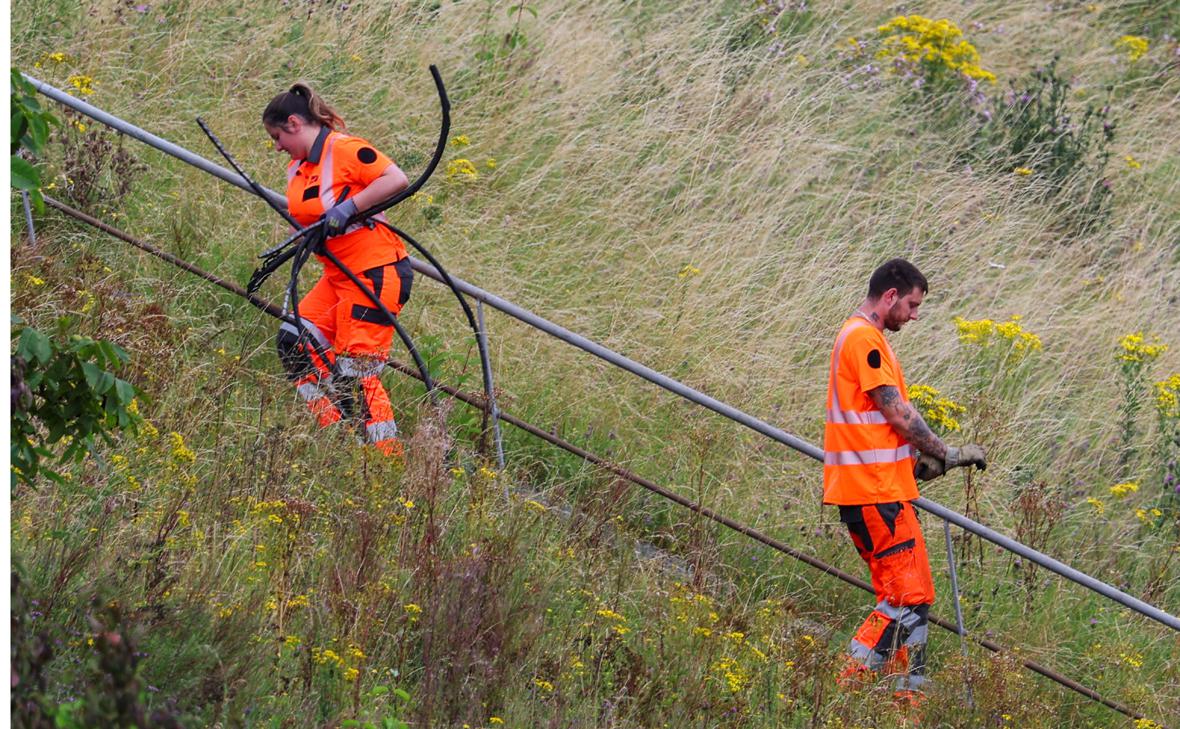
x=855, y=676
x=909, y=703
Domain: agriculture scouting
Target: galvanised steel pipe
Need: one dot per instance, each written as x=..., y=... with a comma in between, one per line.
x=646, y=373
x=148, y=138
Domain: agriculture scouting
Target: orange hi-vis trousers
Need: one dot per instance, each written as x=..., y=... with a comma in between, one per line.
x=889, y=540
x=336, y=362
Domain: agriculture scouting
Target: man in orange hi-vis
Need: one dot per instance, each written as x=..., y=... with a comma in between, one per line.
x=871, y=440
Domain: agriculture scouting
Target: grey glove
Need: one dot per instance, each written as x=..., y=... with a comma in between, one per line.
x=336, y=219
x=929, y=467
x=971, y=454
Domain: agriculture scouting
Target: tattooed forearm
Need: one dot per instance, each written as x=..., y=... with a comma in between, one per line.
x=921, y=437
x=907, y=421
x=886, y=396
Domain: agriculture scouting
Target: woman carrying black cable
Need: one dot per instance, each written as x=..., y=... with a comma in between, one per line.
x=331, y=176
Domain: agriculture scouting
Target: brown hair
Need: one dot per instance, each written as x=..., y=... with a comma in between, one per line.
x=304, y=102
x=899, y=274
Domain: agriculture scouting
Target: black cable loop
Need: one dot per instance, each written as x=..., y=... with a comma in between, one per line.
x=277, y=255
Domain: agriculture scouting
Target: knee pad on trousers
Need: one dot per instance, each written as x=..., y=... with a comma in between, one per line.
x=298, y=355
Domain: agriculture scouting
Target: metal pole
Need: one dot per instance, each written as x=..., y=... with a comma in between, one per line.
x=24, y=198
x=487, y=373
x=646, y=373
x=1049, y=563
x=148, y=138
x=950, y=560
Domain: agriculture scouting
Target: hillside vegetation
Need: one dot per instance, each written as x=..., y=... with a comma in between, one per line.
x=702, y=186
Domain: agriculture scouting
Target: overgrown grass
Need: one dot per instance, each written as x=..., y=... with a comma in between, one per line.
x=692, y=191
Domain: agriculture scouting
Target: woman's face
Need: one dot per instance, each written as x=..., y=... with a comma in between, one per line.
x=290, y=138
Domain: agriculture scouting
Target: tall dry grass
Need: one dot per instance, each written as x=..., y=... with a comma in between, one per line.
x=635, y=146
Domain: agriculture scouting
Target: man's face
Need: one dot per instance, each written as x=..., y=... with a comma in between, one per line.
x=903, y=309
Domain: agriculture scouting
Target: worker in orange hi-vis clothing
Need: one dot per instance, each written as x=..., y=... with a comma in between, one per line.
x=871, y=443
x=333, y=176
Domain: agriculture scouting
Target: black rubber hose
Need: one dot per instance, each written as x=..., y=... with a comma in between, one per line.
x=429, y=382
x=479, y=342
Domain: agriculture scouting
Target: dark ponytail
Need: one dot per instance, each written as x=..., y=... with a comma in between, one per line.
x=305, y=103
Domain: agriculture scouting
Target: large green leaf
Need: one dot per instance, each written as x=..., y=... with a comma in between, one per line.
x=24, y=175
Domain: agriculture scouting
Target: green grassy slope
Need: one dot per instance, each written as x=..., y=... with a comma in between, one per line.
x=695, y=191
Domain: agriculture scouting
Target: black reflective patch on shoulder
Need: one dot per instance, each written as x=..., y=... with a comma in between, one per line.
x=875, y=359
x=311, y=192
x=368, y=155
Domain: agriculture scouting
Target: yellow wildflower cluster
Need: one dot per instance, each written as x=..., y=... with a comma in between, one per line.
x=544, y=685
x=1136, y=350
x=56, y=58
x=460, y=140
x=619, y=622
x=1132, y=162
x=1147, y=724
x=936, y=409
x=737, y=678
x=1167, y=397
x=935, y=44
x=1121, y=490
x=1135, y=45
x=1099, y=507
x=1148, y=515
x=462, y=169
x=689, y=271
x=986, y=332
x=1022, y=171
x=180, y=452
x=82, y=84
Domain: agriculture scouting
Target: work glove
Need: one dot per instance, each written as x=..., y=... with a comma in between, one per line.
x=336, y=219
x=929, y=467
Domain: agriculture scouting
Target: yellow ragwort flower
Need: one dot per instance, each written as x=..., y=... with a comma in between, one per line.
x=1135, y=45
x=1126, y=488
x=1136, y=350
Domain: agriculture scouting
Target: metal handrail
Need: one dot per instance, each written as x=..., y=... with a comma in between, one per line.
x=625, y=363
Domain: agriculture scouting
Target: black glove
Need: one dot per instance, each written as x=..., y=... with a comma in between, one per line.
x=336, y=219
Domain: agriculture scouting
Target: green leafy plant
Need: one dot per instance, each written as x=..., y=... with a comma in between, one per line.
x=29, y=133
x=64, y=391
x=1032, y=129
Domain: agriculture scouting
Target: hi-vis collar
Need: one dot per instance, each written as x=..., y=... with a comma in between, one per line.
x=317, y=147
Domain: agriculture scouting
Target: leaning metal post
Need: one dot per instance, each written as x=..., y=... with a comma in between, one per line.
x=950, y=560
x=24, y=199
x=487, y=374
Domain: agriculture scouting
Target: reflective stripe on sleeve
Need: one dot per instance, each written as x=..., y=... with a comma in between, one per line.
x=875, y=455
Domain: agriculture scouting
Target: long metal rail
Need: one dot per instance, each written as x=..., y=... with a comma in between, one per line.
x=625, y=363
x=481, y=404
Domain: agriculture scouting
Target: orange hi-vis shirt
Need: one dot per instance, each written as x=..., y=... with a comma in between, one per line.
x=866, y=461
x=336, y=161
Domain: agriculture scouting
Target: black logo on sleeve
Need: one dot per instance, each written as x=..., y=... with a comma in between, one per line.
x=875, y=359
x=368, y=155
x=311, y=193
